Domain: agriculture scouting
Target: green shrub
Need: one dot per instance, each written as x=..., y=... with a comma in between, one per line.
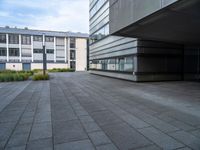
x=10, y=75
x=37, y=70
x=40, y=77
x=61, y=70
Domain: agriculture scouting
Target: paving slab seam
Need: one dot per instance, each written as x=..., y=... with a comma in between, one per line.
x=33, y=118
x=78, y=117
x=18, y=121
x=81, y=122
x=147, y=127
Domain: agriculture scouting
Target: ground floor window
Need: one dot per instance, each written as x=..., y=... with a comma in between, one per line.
x=121, y=64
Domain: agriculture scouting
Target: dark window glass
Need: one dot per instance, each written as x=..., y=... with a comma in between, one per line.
x=72, y=42
x=96, y=7
x=3, y=51
x=2, y=38
x=37, y=50
x=72, y=54
x=50, y=51
x=37, y=38
x=104, y=31
x=49, y=39
x=13, y=51
x=13, y=39
x=26, y=39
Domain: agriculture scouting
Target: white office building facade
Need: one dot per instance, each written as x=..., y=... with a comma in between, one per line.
x=22, y=49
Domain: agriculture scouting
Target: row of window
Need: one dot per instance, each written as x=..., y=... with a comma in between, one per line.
x=104, y=31
x=26, y=39
x=15, y=51
x=96, y=7
x=123, y=64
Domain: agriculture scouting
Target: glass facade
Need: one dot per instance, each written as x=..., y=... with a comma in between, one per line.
x=13, y=39
x=108, y=53
x=49, y=39
x=26, y=39
x=2, y=38
x=119, y=64
x=72, y=42
x=14, y=52
x=3, y=51
x=37, y=38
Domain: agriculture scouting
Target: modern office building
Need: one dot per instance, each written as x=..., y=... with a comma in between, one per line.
x=22, y=49
x=145, y=40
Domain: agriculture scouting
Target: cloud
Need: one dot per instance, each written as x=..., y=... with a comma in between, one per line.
x=62, y=15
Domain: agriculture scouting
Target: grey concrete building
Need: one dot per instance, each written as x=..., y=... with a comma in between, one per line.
x=22, y=49
x=160, y=39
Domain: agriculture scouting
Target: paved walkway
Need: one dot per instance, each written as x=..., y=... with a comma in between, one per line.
x=79, y=111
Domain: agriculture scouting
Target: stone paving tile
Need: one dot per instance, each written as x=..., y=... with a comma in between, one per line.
x=161, y=139
x=188, y=139
x=68, y=131
x=107, y=147
x=41, y=144
x=124, y=137
x=92, y=112
x=196, y=133
x=151, y=147
x=99, y=138
x=91, y=127
x=105, y=117
x=18, y=140
x=41, y=130
x=77, y=145
x=16, y=148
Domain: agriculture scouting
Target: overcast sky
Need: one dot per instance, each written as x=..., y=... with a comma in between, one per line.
x=61, y=15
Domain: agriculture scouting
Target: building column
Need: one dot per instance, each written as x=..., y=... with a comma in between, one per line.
x=65, y=49
x=32, y=48
x=7, y=43
x=68, y=47
x=55, y=49
x=20, y=48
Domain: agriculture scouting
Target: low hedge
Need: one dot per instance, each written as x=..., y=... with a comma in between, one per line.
x=61, y=70
x=7, y=77
x=38, y=77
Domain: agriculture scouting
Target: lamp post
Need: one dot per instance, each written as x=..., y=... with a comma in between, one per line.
x=44, y=55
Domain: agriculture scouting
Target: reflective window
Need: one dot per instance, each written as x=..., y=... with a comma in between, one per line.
x=2, y=38
x=13, y=39
x=72, y=42
x=26, y=39
x=104, y=31
x=49, y=39
x=72, y=54
x=37, y=50
x=96, y=7
x=13, y=51
x=3, y=51
x=37, y=38
x=50, y=51
x=120, y=64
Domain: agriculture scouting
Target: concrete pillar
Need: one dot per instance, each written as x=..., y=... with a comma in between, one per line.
x=32, y=48
x=7, y=43
x=20, y=48
x=55, y=49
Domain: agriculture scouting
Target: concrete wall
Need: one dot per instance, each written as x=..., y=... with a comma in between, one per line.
x=14, y=66
x=125, y=12
x=81, y=54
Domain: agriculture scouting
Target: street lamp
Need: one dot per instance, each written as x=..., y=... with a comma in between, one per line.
x=44, y=55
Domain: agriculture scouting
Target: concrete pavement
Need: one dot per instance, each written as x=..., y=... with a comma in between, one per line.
x=80, y=111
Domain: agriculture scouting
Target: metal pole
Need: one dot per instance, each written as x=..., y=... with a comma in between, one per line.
x=44, y=56
x=44, y=61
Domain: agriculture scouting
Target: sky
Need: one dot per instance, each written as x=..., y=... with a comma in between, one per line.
x=57, y=15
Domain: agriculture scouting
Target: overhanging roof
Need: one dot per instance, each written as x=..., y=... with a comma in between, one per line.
x=179, y=22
